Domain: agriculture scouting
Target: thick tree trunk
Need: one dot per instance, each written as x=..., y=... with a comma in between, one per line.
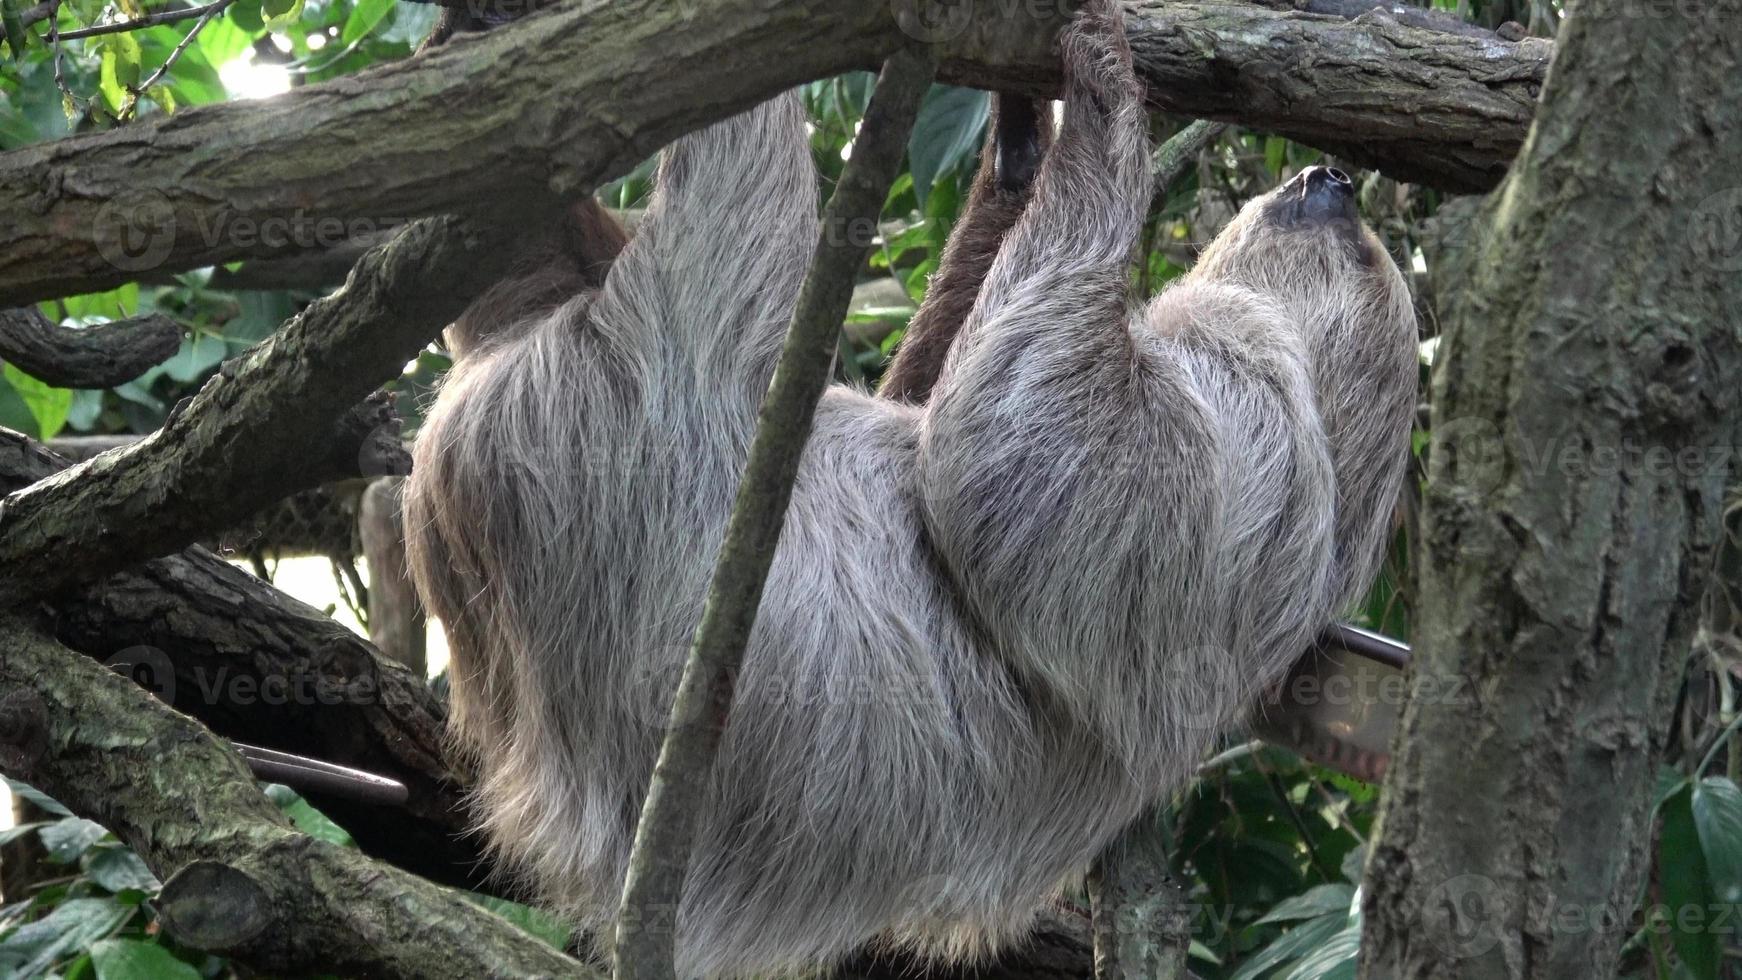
x=1585, y=414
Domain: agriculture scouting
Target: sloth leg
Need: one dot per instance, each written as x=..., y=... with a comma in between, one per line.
x=1021, y=131
x=1088, y=486
x=714, y=268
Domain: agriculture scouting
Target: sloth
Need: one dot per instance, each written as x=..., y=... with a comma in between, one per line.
x=1017, y=595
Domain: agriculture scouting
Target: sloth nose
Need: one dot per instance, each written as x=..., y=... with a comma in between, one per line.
x=1327, y=194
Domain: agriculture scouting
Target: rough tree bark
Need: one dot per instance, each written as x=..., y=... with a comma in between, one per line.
x=100, y=356
x=1585, y=419
x=582, y=93
x=289, y=393
x=261, y=667
x=237, y=879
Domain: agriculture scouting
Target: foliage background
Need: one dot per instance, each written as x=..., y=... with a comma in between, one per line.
x=1268, y=847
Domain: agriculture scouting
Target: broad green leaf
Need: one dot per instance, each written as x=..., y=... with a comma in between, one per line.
x=197, y=356
x=1334, y=959
x=48, y=405
x=1291, y=945
x=14, y=27
x=223, y=38
x=1317, y=901
x=117, y=869
x=135, y=959
x=280, y=14
x=1683, y=876
x=120, y=68
x=37, y=797
x=1275, y=154
x=306, y=818
x=76, y=923
x=113, y=304
x=246, y=15
x=14, y=413
x=67, y=839
x=1717, y=807
x=363, y=18
x=948, y=129
x=411, y=23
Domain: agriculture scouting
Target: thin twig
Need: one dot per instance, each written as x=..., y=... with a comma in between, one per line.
x=1180, y=152
x=210, y=10
x=666, y=833
x=149, y=20
x=54, y=39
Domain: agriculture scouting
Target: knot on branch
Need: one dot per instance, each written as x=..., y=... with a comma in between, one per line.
x=214, y=907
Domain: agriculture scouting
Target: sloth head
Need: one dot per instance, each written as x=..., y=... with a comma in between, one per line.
x=1303, y=244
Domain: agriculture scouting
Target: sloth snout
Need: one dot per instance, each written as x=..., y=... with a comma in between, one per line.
x=1327, y=194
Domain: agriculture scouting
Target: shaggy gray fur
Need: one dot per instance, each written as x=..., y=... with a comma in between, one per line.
x=997, y=625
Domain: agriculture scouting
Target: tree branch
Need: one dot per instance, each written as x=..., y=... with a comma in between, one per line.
x=238, y=879
x=282, y=408
x=575, y=95
x=666, y=833
x=1141, y=920
x=100, y=356
x=260, y=667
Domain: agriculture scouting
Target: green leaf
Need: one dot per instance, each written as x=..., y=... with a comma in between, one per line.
x=14, y=413
x=32, y=948
x=1275, y=154
x=14, y=27
x=67, y=839
x=117, y=869
x=306, y=818
x=364, y=16
x=135, y=959
x=1717, y=807
x=1291, y=945
x=948, y=129
x=198, y=355
x=48, y=405
x=121, y=57
x=280, y=14
x=1334, y=959
x=85, y=308
x=246, y=15
x=38, y=797
x=1687, y=892
x=1317, y=901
